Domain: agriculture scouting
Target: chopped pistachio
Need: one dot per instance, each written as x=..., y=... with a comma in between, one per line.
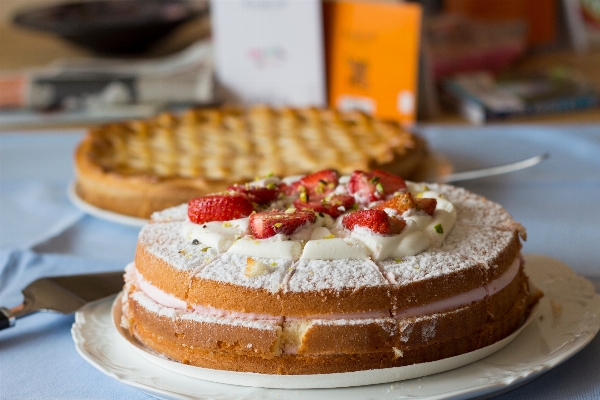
x=379, y=187
x=438, y=228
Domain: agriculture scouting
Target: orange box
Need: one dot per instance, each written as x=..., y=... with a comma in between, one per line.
x=372, y=53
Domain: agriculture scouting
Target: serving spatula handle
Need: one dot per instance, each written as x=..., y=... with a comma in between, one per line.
x=7, y=318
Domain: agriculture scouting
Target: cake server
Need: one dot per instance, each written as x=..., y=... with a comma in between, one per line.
x=498, y=170
x=63, y=294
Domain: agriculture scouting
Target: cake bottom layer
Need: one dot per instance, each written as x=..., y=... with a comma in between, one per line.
x=321, y=346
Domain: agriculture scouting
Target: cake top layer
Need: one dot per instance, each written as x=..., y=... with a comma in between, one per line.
x=412, y=236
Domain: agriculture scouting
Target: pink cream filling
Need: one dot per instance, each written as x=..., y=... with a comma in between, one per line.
x=217, y=312
x=168, y=300
x=464, y=298
x=161, y=297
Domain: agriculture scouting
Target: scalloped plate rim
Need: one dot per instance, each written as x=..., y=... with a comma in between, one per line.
x=559, y=355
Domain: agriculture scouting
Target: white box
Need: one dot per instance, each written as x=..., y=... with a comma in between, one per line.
x=270, y=51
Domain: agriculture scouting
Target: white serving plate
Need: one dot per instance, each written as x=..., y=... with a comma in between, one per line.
x=565, y=321
x=100, y=212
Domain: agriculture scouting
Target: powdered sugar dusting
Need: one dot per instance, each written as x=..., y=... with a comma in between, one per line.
x=314, y=275
x=473, y=209
x=231, y=268
x=466, y=247
x=428, y=331
x=177, y=213
x=431, y=264
x=164, y=241
x=482, y=244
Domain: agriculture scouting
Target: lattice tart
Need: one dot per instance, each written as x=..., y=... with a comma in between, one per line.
x=325, y=274
x=137, y=167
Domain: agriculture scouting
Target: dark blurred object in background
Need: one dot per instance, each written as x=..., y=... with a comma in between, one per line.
x=458, y=44
x=539, y=16
x=116, y=27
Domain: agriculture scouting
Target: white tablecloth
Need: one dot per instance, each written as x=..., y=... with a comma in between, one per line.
x=42, y=234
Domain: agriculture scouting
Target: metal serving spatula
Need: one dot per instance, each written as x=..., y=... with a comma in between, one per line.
x=63, y=294
x=498, y=170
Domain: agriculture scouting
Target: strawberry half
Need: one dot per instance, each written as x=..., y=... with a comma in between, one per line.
x=374, y=185
x=376, y=220
x=219, y=207
x=266, y=224
x=402, y=202
x=318, y=183
x=334, y=205
x=256, y=194
x=287, y=190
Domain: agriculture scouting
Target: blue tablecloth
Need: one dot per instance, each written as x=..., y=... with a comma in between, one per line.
x=42, y=233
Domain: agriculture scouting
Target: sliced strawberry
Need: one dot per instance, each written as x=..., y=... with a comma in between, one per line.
x=374, y=185
x=286, y=189
x=258, y=195
x=318, y=183
x=266, y=224
x=219, y=207
x=376, y=220
x=402, y=202
x=334, y=205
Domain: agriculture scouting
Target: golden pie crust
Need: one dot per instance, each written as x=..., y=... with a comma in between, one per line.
x=137, y=167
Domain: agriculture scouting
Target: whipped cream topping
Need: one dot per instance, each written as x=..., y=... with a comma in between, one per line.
x=327, y=239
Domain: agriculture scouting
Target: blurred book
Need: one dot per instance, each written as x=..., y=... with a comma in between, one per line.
x=99, y=89
x=480, y=97
x=373, y=57
x=270, y=51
